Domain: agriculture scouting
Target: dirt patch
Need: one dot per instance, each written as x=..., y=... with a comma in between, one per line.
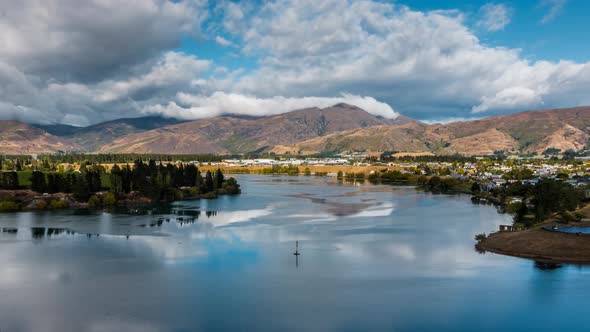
x=539, y=244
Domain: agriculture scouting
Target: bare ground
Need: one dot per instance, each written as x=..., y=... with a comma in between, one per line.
x=540, y=244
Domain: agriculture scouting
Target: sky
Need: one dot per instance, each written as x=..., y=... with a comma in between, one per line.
x=80, y=63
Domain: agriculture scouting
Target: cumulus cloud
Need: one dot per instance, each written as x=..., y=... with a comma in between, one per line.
x=70, y=62
x=65, y=61
x=220, y=103
x=86, y=103
x=73, y=40
x=494, y=17
x=510, y=98
x=423, y=63
x=234, y=18
x=223, y=42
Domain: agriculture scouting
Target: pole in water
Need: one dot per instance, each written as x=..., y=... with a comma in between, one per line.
x=296, y=253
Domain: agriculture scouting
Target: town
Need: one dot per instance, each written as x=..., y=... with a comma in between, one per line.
x=490, y=172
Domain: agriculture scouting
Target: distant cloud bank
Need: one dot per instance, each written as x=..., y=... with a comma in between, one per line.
x=220, y=103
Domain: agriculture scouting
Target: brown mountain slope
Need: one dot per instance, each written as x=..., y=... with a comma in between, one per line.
x=485, y=143
x=92, y=137
x=408, y=137
x=530, y=128
x=533, y=131
x=19, y=138
x=230, y=134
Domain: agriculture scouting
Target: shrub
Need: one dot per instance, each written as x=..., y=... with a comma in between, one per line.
x=109, y=199
x=194, y=191
x=519, y=225
x=512, y=208
x=93, y=201
x=434, y=181
x=422, y=180
x=178, y=195
x=57, y=204
x=566, y=217
x=480, y=237
x=9, y=206
x=231, y=187
x=209, y=195
x=40, y=204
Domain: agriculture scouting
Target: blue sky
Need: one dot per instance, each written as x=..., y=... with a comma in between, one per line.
x=563, y=37
x=433, y=60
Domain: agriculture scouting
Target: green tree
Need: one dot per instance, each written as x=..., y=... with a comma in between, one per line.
x=208, y=185
x=219, y=178
x=38, y=182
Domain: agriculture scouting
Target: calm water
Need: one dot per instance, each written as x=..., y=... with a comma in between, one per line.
x=373, y=258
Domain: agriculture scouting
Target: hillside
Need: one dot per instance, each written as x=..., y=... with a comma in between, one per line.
x=232, y=134
x=407, y=137
x=92, y=137
x=19, y=138
x=533, y=131
x=335, y=129
x=566, y=128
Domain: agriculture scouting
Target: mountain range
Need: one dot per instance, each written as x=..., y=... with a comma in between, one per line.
x=336, y=129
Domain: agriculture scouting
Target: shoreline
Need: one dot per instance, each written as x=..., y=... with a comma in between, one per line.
x=541, y=244
x=27, y=201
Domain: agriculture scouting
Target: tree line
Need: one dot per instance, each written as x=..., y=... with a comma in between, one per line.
x=539, y=201
x=154, y=180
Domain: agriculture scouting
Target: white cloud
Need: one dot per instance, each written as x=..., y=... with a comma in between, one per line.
x=219, y=103
x=73, y=40
x=494, y=17
x=70, y=62
x=555, y=8
x=86, y=103
x=101, y=60
x=427, y=64
x=223, y=42
x=172, y=69
x=233, y=17
x=510, y=98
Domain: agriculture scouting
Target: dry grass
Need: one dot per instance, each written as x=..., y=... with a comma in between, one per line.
x=541, y=245
x=312, y=169
x=331, y=169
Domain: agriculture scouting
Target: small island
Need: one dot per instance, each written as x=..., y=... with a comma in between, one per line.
x=98, y=186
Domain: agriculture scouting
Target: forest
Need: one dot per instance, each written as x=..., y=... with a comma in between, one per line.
x=156, y=181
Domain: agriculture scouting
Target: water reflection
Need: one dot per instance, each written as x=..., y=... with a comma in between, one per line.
x=547, y=266
x=376, y=258
x=43, y=225
x=10, y=230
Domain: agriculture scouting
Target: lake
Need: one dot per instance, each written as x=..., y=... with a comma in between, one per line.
x=373, y=258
